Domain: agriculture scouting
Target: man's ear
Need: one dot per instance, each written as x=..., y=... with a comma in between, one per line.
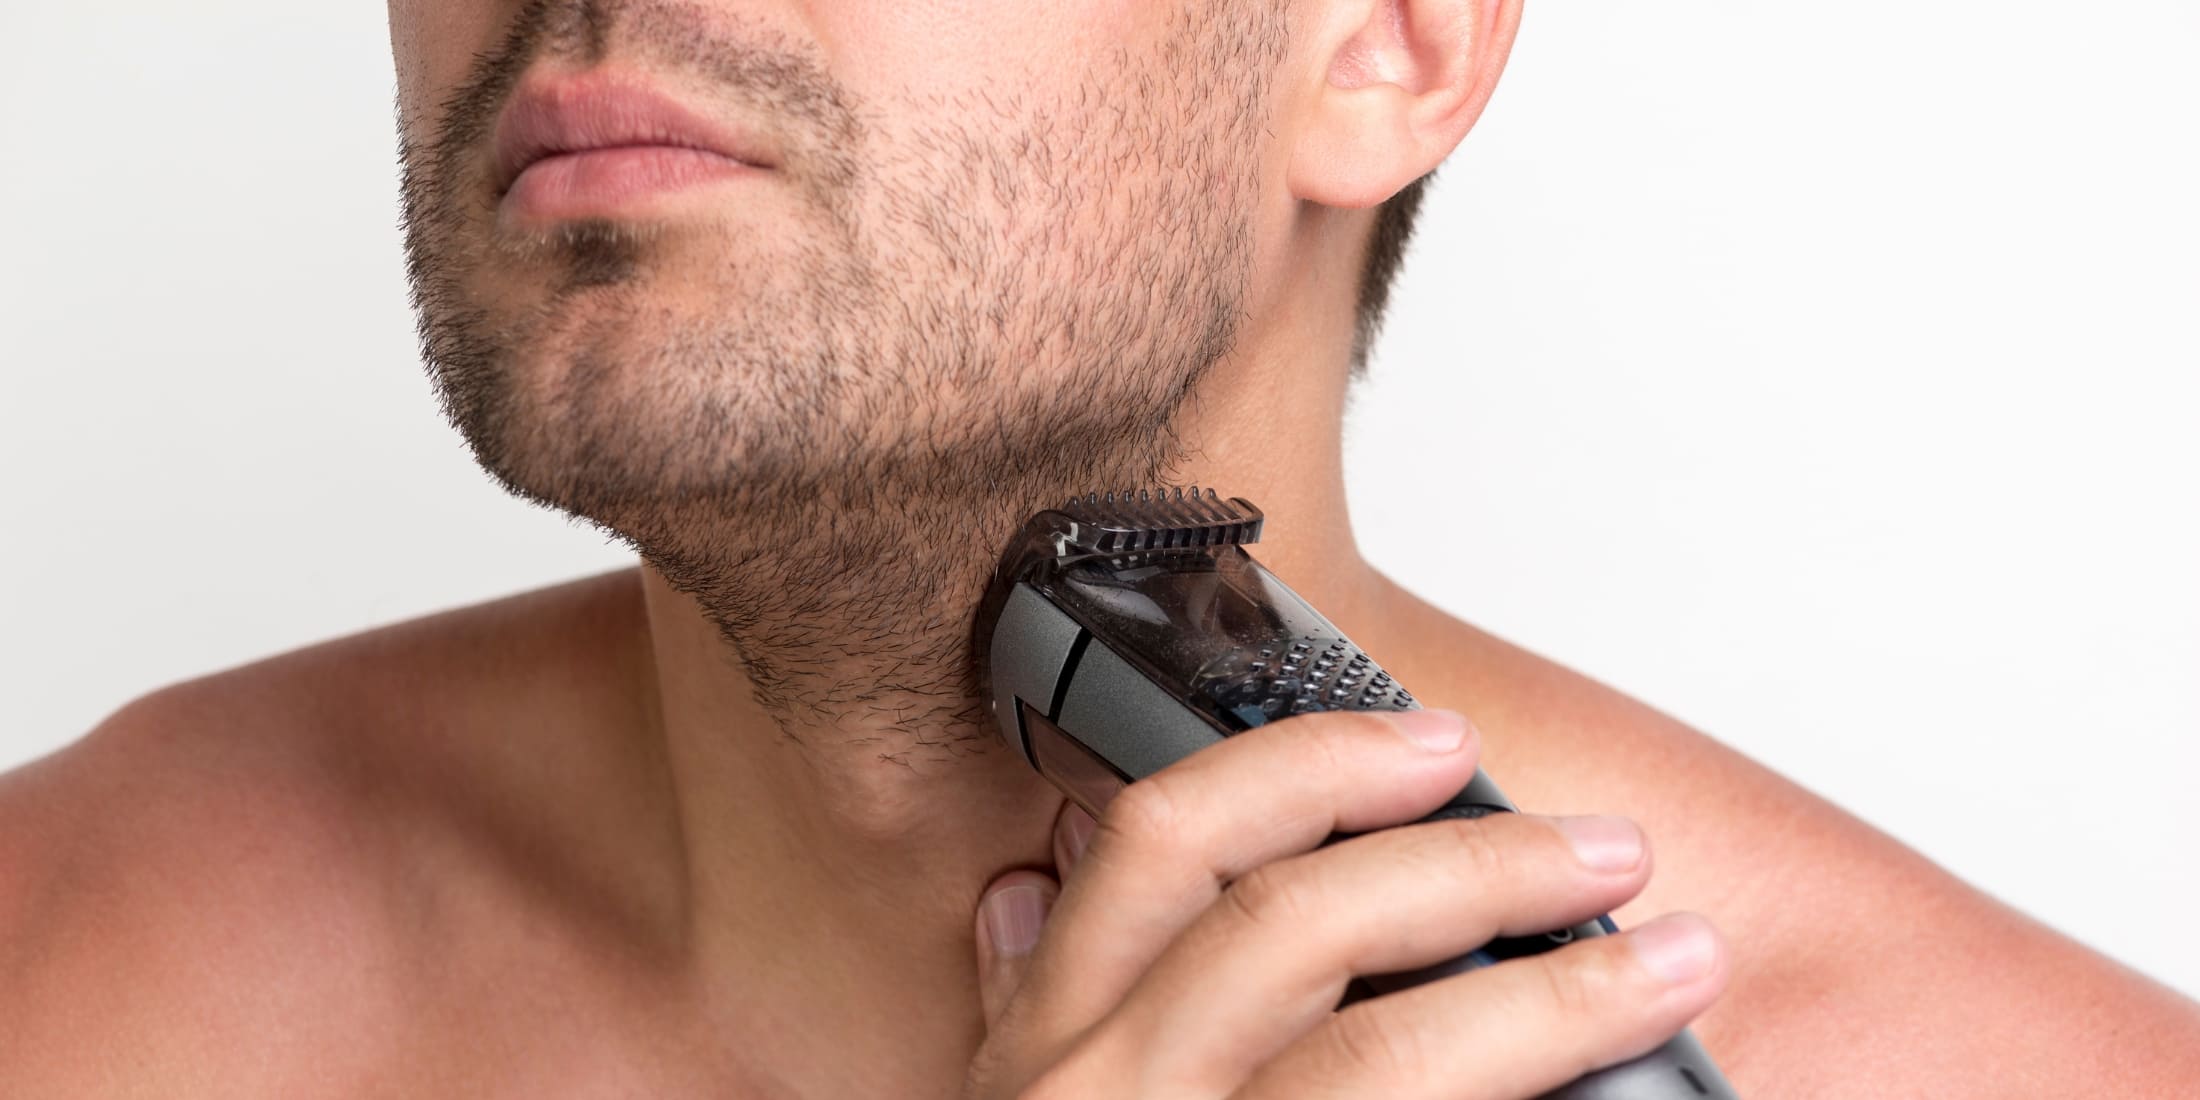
x=1403, y=81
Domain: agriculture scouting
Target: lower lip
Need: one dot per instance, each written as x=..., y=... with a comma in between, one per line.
x=600, y=183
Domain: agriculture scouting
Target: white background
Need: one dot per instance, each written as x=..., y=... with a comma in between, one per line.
x=1824, y=375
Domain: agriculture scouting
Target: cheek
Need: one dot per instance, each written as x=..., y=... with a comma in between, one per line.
x=934, y=48
x=434, y=43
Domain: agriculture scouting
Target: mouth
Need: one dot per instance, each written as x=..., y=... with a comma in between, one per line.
x=598, y=144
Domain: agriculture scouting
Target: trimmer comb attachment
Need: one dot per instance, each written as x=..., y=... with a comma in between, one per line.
x=1164, y=519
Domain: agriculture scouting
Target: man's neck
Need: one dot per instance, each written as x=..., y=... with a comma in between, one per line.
x=832, y=874
x=834, y=856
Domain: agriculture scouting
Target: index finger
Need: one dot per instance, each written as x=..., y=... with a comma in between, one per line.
x=1168, y=844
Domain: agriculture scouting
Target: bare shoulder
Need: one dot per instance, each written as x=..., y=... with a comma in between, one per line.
x=233, y=868
x=1860, y=967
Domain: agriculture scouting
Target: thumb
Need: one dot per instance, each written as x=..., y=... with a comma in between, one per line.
x=1010, y=916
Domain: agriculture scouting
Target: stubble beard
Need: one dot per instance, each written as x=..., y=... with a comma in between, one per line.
x=984, y=312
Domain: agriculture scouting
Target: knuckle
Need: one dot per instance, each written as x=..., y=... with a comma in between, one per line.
x=1334, y=732
x=1563, y=988
x=986, y=1068
x=1270, y=897
x=1328, y=754
x=1144, y=813
x=1577, y=983
x=1352, y=725
x=1373, y=1048
x=1322, y=743
x=1480, y=847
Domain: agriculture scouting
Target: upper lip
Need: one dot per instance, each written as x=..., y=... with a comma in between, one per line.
x=550, y=116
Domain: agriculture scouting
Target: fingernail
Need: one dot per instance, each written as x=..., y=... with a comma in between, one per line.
x=1079, y=826
x=1603, y=842
x=1013, y=917
x=1434, y=730
x=1678, y=947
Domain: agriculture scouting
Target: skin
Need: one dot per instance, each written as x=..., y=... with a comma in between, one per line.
x=672, y=831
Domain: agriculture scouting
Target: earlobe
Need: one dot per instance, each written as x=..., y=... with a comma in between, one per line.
x=1403, y=81
x=1361, y=153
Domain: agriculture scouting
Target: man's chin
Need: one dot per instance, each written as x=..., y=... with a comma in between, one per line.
x=529, y=265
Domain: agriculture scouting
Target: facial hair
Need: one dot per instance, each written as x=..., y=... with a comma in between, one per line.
x=986, y=305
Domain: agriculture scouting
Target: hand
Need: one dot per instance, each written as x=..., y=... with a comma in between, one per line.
x=1201, y=941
